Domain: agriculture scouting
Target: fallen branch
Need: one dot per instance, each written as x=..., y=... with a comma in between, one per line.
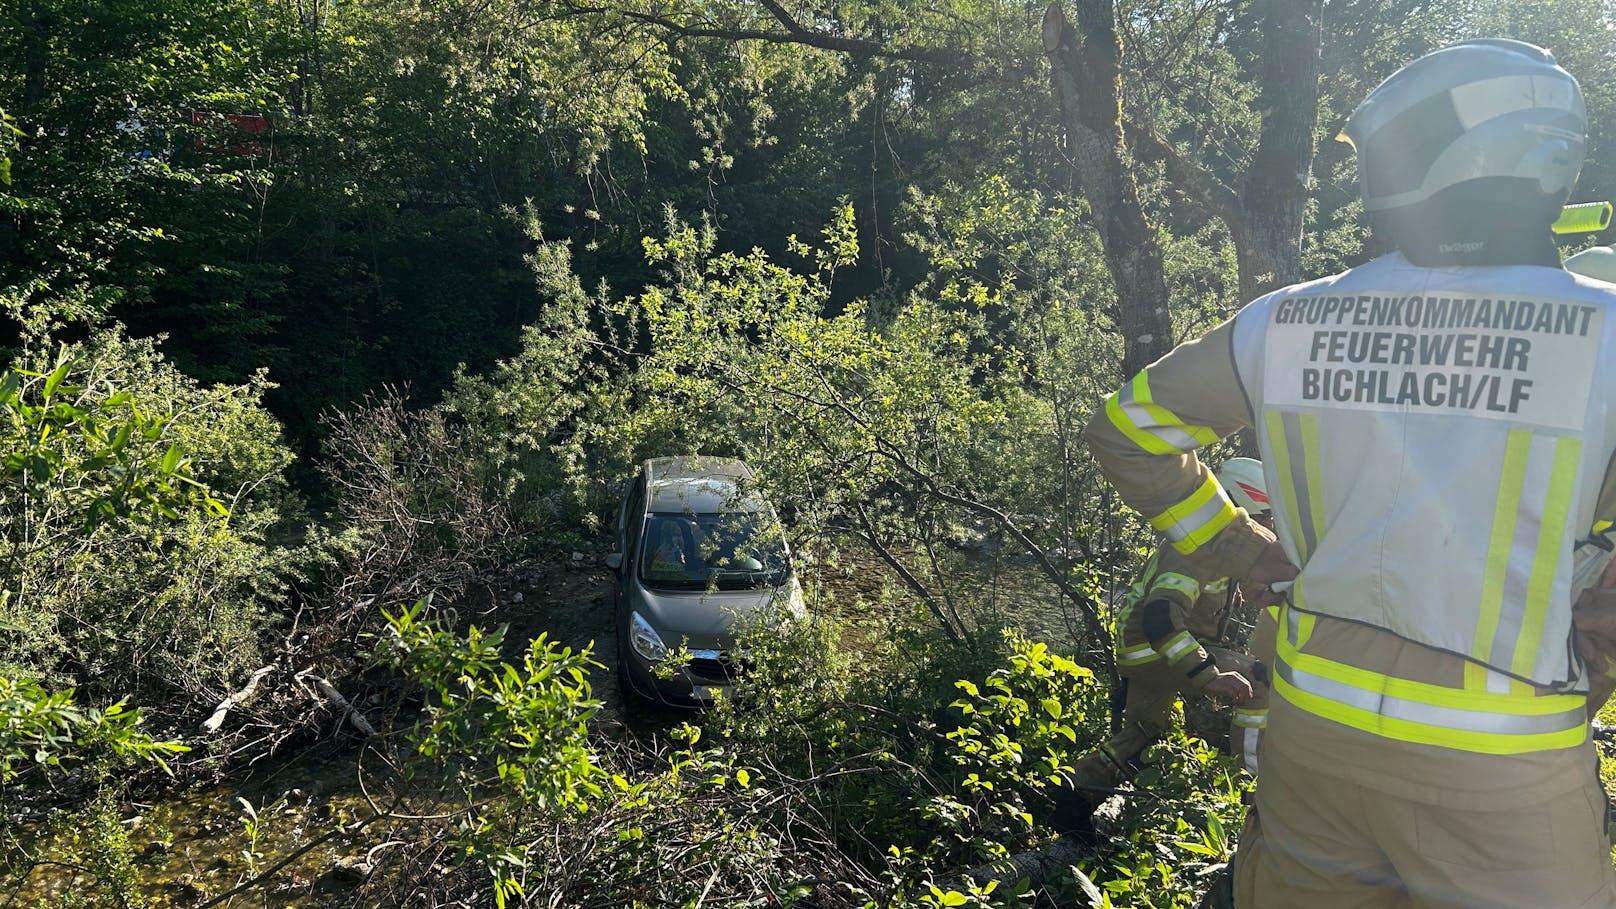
x=237, y=699
x=330, y=693
x=1036, y=866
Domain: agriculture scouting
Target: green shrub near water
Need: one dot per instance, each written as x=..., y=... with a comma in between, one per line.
x=817, y=781
x=136, y=516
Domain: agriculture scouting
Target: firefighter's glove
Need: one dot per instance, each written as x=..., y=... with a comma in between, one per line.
x=1261, y=596
x=1229, y=686
x=1271, y=565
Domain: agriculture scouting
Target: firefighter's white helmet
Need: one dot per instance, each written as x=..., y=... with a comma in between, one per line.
x=1479, y=112
x=1242, y=479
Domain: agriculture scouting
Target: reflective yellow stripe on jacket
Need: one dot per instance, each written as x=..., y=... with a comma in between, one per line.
x=1179, y=583
x=1136, y=595
x=1151, y=426
x=1136, y=656
x=1486, y=722
x=1179, y=647
x=1251, y=717
x=1159, y=431
x=1196, y=519
x=1293, y=439
x=1508, y=630
x=1149, y=583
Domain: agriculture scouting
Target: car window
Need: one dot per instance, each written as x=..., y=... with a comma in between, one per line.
x=734, y=551
x=632, y=509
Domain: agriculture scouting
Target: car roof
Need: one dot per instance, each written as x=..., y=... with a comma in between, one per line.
x=700, y=485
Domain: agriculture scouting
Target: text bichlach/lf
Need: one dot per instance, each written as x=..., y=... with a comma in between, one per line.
x=1460, y=353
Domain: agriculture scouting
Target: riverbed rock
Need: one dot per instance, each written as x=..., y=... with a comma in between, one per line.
x=345, y=872
x=184, y=891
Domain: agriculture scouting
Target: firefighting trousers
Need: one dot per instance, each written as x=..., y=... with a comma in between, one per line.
x=1331, y=843
x=1153, y=689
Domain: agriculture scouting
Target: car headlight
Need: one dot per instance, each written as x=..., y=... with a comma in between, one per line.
x=644, y=639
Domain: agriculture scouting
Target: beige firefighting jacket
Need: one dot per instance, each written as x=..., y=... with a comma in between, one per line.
x=1197, y=606
x=1157, y=473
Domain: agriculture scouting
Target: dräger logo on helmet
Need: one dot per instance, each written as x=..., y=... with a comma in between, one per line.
x=1462, y=247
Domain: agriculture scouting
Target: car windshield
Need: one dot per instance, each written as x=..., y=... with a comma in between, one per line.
x=732, y=551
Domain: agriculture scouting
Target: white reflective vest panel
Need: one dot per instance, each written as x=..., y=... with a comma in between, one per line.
x=1433, y=442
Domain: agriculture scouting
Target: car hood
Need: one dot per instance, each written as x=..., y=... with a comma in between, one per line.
x=703, y=618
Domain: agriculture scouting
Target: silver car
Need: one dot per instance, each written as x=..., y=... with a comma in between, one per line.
x=698, y=549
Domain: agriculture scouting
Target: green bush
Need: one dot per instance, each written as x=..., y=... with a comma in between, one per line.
x=50, y=731
x=136, y=511
x=47, y=737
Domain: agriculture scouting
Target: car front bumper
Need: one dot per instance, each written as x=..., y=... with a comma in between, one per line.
x=688, y=688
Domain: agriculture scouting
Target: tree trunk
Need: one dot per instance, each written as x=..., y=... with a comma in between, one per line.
x=1086, y=71
x=36, y=54
x=1269, y=242
x=1265, y=217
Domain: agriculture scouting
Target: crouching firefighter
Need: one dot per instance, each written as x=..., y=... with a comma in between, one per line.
x=1167, y=643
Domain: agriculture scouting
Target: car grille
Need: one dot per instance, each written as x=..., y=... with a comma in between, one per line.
x=721, y=667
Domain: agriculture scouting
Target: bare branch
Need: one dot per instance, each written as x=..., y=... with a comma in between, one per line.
x=1187, y=175
x=1090, y=609
x=797, y=33
x=954, y=634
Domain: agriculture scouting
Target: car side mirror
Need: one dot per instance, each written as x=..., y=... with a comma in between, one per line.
x=614, y=561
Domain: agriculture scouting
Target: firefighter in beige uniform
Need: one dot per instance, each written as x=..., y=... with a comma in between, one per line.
x=1434, y=434
x=1166, y=644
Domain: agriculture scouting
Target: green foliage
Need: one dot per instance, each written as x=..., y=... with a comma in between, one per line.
x=519, y=729
x=1023, y=721
x=48, y=737
x=435, y=194
x=78, y=445
x=524, y=724
x=135, y=507
x=549, y=812
x=524, y=415
x=1167, y=844
x=1032, y=268
x=95, y=842
x=918, y=422
x=104, y=94
x=795, y=665
x=8, y=141
x=48, y=729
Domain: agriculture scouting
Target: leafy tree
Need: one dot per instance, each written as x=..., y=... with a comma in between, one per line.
x=108, y=194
